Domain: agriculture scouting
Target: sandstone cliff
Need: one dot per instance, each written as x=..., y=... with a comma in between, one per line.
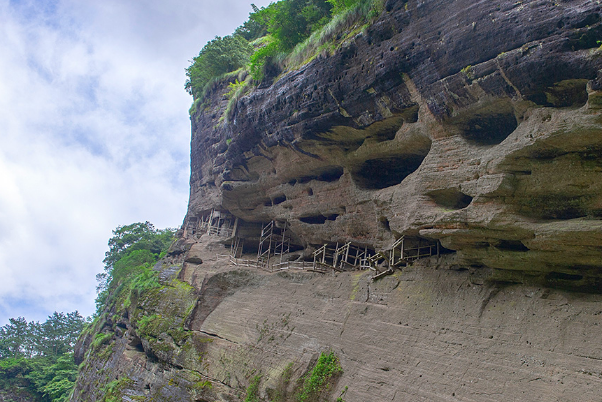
x=474, y=125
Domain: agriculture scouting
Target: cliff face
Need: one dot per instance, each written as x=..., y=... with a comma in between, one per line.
x=475, y=125
x=472, y=122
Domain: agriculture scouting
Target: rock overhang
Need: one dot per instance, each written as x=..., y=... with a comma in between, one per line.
x=469, y=123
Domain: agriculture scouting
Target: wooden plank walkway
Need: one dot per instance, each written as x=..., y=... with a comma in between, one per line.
x=342, y=258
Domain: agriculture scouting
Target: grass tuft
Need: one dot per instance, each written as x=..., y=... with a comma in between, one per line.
x=320, y=377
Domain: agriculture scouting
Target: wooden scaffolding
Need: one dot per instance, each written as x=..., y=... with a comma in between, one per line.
x=214, y=223
x=340, y=258
x=236, y=247
x=406, y=250
x=274, y=241
x=403, y=252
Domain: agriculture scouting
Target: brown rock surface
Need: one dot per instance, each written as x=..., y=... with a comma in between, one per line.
x=473, y=123
x=464, y=121
x=432, y=332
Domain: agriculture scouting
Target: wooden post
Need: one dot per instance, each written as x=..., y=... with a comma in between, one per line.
x=235, y=227
x=346, y=254
x=335, y=255
x=283, y=240
x=402, y=248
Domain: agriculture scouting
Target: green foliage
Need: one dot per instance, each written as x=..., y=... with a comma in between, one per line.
x=270, y=34
x=133, y=250
x=467, y=71
x=318, y=379
x=256, y=26
x=16, y=338
x=137, y=236
x=13, y=371
x=350, y=20
x=47, y=378
x=113, y=391
x=262, y=57
x=253, y=390
x=236, y=90
x=338, y=6
x=38, y=357
x=202, y=385
x=54, y=337
x=145, y=279
x=195, y=106
x=218, y=56
x=54, y=378
x=100, y=339
x=144, y=322
x=292, y=21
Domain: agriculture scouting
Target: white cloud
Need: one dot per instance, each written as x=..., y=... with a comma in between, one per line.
x=94, y=133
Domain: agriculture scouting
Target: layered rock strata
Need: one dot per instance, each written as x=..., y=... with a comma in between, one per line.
x=432, y=332
x=475, y=124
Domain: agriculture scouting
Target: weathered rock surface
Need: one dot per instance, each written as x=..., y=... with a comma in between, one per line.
x=474, y=123
x=432, y=332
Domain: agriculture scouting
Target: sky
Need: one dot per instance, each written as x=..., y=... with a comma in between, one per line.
x=94, y=133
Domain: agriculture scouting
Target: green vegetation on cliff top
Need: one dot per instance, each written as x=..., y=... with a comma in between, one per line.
x=281, y=36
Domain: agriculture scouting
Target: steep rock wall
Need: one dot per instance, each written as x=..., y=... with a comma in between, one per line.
x=473, y=123
x=432, y=332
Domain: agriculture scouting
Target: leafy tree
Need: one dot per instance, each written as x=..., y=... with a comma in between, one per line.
x=15, y=338
x=59, y=333
x=219, y=56
x=56, y=336
x=132, y=251
x=339, y=6
x=53, y=378
x=137, y=236
x=262, y=57
x=292, y=21
x=143, y=237
x=37, y=358
x=256, y=26
x=287, y=22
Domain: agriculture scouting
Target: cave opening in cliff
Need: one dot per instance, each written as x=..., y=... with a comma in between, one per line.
x=329, y=174
x=279, y=199
x=136, y=343
x=443, y=250
x=511, y=245
x=490, y=128
x=376, y=174
x=384, y=223
x=318, y=219
x=451, y=198
x=564, y=277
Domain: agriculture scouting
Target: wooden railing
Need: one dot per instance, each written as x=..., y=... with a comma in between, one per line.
x=347, y=256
